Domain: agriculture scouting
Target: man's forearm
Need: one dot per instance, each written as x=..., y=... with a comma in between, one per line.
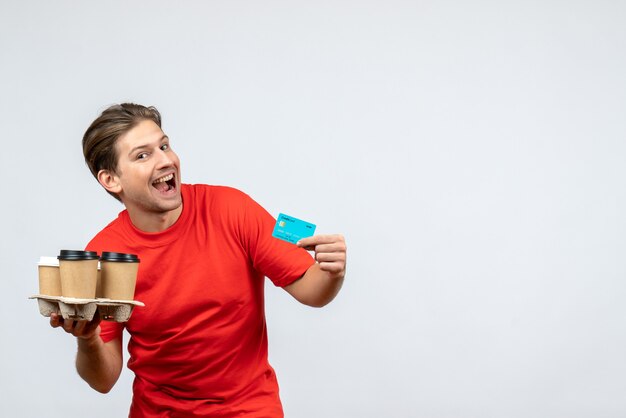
x=323, y=280
x=316, y=287
x=99, y=363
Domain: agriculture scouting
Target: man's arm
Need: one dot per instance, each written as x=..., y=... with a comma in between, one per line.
x=322, y=281
x=97, y=362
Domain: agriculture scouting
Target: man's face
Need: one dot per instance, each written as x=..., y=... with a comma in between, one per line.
x=148, y=170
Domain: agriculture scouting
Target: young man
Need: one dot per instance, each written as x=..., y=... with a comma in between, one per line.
x=199, y=346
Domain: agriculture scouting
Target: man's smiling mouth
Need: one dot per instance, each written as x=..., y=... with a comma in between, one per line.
x=165, y=183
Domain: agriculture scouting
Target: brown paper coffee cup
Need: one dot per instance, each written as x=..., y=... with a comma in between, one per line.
x=79, y=273
x=119, y=275
x=99, y=283
x=49, y=277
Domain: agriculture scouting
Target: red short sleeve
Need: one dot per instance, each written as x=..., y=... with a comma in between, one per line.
x=280, y=261
x=110, y=330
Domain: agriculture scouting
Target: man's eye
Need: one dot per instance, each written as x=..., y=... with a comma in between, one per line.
x=165, y=147
x=142, y=155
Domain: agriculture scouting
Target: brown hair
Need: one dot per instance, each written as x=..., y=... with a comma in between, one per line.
x=100, y=138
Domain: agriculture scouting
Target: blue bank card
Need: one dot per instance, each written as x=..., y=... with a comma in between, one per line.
x=291, y=229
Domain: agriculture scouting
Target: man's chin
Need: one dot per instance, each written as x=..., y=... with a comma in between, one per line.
x=171, y=204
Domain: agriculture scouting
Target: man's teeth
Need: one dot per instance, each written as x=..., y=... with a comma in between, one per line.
x=164, y=179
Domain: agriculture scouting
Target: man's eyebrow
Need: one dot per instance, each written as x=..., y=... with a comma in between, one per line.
x=139, y=147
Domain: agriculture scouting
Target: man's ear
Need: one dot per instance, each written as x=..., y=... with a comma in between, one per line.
x=110, y=181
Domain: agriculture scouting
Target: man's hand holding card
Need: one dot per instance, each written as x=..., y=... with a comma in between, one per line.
x=330, y=252
x=322, y=281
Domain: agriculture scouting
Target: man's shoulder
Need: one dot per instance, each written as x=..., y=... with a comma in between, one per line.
x=112, y=232
x=223, y=204
x=216, y=193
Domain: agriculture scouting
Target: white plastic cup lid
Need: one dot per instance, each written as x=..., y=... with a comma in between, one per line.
x=48, y=261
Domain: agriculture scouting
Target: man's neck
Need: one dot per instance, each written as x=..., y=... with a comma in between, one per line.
x=154, y=222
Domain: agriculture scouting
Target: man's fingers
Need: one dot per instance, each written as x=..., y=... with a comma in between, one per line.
x=306, y=243
x=55, y=320
x=336, y=267
x=336, y=247
x=330, y=252
x=320, y=239
x=68, y=325
x=91, y=326
x=79, y=328
x=311, y=243
x=330, y=257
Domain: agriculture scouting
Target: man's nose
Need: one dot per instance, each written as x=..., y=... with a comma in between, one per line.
x=165, y=158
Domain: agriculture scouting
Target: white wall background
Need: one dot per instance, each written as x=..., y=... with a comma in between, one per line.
x=472, y=153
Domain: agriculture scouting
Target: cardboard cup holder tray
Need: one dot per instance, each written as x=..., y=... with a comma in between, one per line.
x=85, y=309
